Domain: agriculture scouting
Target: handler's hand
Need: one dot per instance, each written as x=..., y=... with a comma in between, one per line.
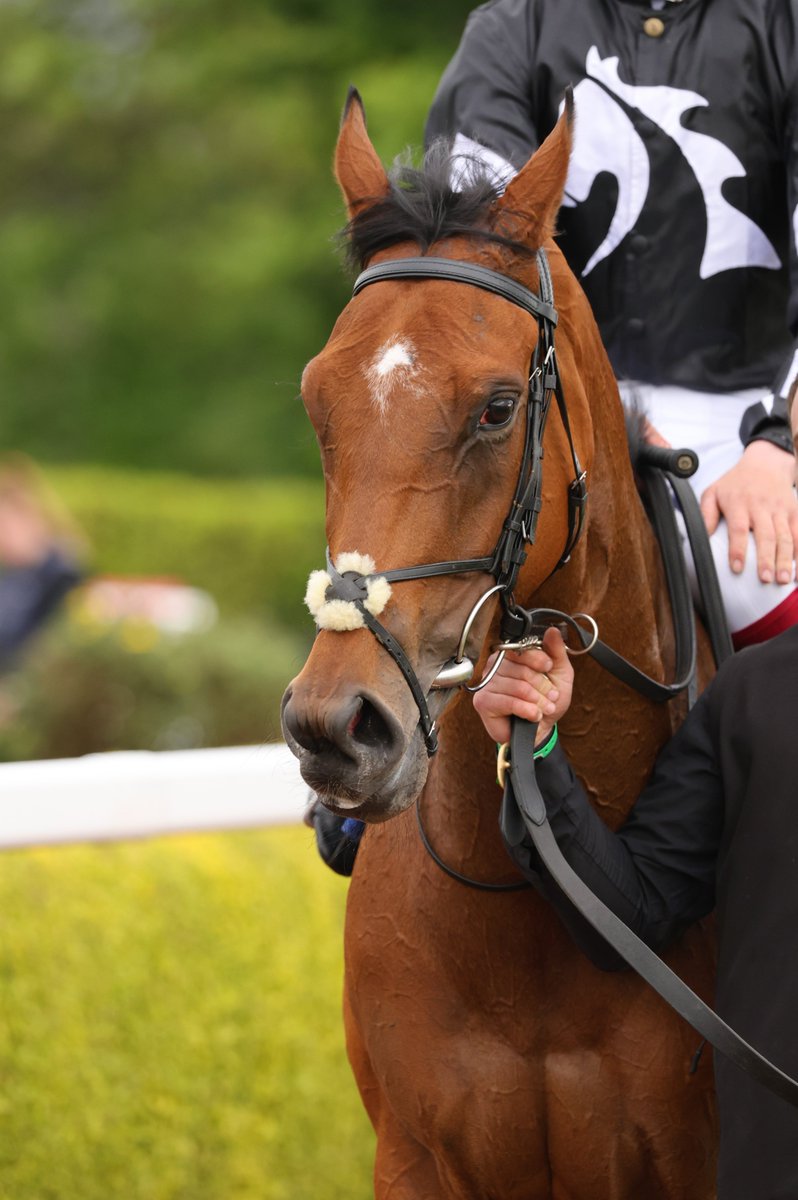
x=757, y=494
x=535, y=685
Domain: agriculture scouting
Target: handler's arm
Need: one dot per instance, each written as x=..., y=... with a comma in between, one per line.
x=770, y=421
x=657, y=873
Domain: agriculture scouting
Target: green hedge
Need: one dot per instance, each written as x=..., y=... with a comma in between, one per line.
x=124, y=687
x=171, y=1024
x=168, y=205
x=251, y=545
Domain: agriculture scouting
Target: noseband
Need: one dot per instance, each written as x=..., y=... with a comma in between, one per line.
x=520, y=525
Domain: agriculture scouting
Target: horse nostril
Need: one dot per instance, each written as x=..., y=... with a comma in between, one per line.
x=352, y=729
x=359, y=727
x=299, y=729
x=368, y=727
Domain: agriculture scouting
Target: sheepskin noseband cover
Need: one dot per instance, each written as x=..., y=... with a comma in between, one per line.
x=333, y=606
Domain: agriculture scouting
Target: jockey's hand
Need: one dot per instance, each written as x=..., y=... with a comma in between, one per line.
x=535, y=685
x=757, y=494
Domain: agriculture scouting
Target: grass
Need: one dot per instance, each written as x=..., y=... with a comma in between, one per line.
x=170, y=1024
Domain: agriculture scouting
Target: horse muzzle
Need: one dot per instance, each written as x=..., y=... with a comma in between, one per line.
x=353, y=751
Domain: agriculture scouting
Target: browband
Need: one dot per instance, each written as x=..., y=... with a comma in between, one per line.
x=459, y=272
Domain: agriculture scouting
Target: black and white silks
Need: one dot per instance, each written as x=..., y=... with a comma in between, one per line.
x=680, y=211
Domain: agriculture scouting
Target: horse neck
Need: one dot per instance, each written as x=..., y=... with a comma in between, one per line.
x=616, y=572
x=613, y=734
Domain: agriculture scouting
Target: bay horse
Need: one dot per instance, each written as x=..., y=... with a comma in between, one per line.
x=494, y=1060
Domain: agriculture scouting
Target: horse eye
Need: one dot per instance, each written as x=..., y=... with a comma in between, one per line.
x=498, y=412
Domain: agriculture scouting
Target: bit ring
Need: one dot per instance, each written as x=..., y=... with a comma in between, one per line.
x=593, y=640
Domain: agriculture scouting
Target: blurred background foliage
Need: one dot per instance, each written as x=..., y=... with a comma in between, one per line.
x=167, y=212
x=169, y=1027
x=127, y=686
x=167, y=248
x=250, y=543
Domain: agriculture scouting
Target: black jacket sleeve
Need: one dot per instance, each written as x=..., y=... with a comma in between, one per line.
x=657, y=873
x=770, y=421
x=485, y=92
x=337, y=838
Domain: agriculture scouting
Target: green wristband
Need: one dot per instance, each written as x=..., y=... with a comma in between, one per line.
x=545, y=750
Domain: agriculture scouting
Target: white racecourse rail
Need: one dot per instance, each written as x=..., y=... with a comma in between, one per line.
x=142, y=793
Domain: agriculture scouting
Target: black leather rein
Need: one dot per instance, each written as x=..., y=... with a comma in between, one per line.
x=524, y=813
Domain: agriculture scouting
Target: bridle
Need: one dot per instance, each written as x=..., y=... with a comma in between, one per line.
x=520, y=524
x=521, y=627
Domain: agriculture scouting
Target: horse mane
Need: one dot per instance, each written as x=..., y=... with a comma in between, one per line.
x=635, y=419
x=636, y=436
x=422, y=206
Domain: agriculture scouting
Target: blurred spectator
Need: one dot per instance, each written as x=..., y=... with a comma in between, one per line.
x=41, y=554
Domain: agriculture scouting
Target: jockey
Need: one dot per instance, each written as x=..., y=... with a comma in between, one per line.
x=680, y=219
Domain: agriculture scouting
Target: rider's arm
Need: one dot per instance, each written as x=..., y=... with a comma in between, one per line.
x=757, y=493
x=484, y=95
x=770, y=421
x=657, y=873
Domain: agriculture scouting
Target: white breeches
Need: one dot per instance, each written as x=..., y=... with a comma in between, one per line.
x=709, y=424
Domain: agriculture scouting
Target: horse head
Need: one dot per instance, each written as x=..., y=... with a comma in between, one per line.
x=420, y=403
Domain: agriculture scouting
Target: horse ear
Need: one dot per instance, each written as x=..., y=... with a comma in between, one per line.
x=360, y=174
x=532, y=199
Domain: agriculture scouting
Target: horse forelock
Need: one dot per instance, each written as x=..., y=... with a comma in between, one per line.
x=442, y=198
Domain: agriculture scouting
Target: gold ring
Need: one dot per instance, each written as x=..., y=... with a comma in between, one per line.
x=502, y=763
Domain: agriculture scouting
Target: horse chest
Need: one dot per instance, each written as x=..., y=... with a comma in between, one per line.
x=482, y=1038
